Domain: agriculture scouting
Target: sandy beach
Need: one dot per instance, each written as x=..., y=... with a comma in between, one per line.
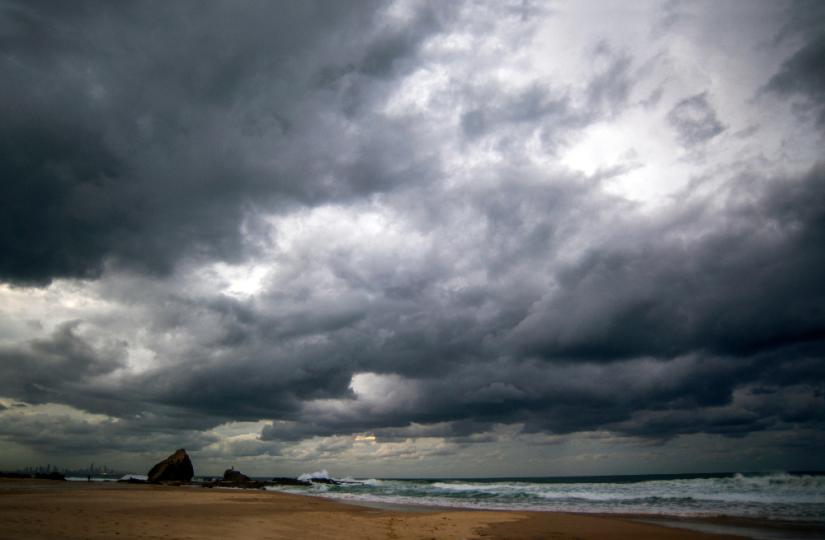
x=31, y=509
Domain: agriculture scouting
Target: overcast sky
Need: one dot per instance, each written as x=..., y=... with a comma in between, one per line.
x=413, y=238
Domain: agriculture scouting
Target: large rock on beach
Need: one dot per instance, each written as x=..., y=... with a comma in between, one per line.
x=175, y=468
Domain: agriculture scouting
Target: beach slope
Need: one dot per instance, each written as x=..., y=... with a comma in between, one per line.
x=32, y=509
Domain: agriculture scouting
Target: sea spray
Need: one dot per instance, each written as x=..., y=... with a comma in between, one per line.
x=323, y=473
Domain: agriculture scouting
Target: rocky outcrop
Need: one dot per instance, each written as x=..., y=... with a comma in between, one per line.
x=286, y=481
x=14, y=475
x=231, y=475
x=39, y=476
x=50, y=476
x=323, y=480
x=235, y=479
x=133, y=479
x=175, y=468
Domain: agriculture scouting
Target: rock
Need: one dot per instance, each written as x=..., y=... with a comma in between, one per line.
x=325, y=481
x=14, y=475
x=175, y=468
x=231, y=475
x=285, y=481
x=50, y=476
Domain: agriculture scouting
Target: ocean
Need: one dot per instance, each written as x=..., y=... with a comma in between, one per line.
x=788, y=497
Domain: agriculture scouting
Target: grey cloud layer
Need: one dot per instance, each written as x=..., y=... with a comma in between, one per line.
x=801, y=74
x=139, y=143
x=139, y=135
x=694, y=120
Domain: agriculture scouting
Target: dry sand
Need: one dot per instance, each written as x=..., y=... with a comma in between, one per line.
x=32, y=509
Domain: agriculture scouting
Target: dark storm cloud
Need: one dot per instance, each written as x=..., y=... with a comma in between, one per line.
x=529, y=106
x=139, y=138
x=661, y=399
x=138, y=134
x=494, y=116
x=741, y=307
x=609, y=89
x=53, y=432
x=66, y=368
x=700, y=393
x=750, y=286
x=802, y=75
x=545, y=106
x=757, y=408
x=694, y=120
x=44, y=370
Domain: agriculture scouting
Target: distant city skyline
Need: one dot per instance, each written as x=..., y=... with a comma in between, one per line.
x=91, y=469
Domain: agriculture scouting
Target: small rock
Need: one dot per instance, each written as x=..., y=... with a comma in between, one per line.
x=286, y=481
x=231, y=475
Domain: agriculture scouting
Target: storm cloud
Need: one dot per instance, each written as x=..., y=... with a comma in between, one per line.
x=312, y=233
x=694, y=120
x=137, y=135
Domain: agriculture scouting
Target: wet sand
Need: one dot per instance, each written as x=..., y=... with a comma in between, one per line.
x=32, y=509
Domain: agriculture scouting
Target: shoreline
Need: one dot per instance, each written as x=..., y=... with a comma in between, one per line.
x=39, y=509
x=733, y=526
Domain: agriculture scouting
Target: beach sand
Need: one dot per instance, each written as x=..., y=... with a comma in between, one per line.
x=32, y=509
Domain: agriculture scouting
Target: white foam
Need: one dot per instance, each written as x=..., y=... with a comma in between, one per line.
x=141, y=477
x=323, y=473
x=774, y=496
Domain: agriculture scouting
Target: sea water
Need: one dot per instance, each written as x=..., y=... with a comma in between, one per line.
x=776, y=496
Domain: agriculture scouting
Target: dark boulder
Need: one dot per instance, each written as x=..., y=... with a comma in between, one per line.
x=133, y=479
x=175, y=468
x=231, y=475
x=50, y=476
x=286, y=481
x=14, y=475
x=322, y=480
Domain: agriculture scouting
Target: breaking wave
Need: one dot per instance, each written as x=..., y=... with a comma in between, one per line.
x=778, y=496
